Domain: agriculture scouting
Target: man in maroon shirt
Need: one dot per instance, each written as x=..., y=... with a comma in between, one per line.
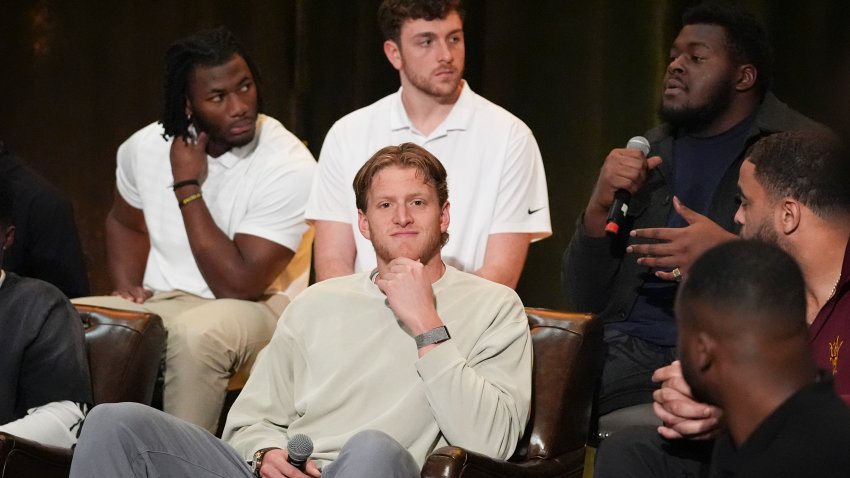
x=794, y=193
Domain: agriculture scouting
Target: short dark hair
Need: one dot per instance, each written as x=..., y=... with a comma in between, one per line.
x=809, y=166
x=749, y=284
x=7, y=202
x=746, y=39
x=205, y=48
x=405, y=155
x=393, y=13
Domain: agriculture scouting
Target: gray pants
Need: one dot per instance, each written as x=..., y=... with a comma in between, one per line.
x=128, y=439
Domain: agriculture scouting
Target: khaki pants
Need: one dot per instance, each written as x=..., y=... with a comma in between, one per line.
x=208, y=341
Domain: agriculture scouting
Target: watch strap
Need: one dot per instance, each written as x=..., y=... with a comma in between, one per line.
x=258, y=459
x=433, y=336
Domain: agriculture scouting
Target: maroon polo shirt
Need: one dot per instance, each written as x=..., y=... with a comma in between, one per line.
x=830, y=332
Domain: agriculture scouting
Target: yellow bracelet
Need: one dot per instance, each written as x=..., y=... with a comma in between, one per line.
x=186, y=200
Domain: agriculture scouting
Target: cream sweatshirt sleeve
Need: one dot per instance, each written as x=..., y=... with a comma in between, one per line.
x=260, y=416
x=481, y=401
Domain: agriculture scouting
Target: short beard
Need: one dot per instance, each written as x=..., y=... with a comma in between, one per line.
x=766, y=233
x=216, y=135
x=695, y=118
x=433, y=245
x=421, y=83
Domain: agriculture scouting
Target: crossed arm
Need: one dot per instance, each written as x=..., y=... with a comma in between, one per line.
x=240, y=268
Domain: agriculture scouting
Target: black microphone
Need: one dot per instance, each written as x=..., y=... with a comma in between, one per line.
x=620, y=207
x=300, y=448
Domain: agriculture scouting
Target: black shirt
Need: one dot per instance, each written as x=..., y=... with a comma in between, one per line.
x=807, y=436
x=43, y=349
x=47, y=245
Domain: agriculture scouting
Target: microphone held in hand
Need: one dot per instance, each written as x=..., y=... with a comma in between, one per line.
x=300, y=448
x=620, y=206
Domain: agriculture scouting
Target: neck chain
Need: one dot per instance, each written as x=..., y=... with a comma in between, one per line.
x=834, y=288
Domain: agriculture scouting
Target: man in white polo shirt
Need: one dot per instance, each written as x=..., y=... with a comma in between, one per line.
x=207, y=228
x=500, y=202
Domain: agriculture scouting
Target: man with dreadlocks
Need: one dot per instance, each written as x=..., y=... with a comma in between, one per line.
x=207, y=226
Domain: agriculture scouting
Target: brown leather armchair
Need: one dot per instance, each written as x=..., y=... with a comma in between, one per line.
x=124, y=350
x=566, y=357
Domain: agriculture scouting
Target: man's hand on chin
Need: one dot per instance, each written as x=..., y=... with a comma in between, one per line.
x=408, y=289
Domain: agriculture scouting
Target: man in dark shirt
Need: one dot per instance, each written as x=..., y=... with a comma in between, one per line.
x=715, y=103
x=47, y=245
x=745, y=348
x=43, y=370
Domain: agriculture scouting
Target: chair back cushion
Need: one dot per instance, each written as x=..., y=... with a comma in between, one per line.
x=566, y=357
x=124, y=351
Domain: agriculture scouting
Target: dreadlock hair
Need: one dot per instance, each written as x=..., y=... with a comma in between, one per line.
x=206, y=48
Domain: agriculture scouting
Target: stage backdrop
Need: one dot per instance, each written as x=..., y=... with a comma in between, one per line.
x=79, y=77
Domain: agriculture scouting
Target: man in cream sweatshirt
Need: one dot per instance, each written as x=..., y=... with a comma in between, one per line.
x=377, y=368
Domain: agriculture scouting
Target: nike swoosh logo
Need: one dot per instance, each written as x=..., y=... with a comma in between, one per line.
x=532, y=211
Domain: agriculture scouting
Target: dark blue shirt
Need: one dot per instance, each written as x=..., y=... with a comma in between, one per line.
x=699, y=164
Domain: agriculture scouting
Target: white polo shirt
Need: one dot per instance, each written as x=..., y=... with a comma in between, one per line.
x=495, y=173
x=259, y=189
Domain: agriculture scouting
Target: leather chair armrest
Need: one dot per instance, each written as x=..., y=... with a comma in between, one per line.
x=455, y=462
x=23, y=458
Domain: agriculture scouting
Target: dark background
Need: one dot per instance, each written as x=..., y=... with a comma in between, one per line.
x=79, y=77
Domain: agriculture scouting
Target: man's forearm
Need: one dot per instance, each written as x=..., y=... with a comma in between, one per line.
x=588, y=270
x=334, y=250
x=127, y=253
x=505, y=257
x=482, y=402
x=228, y=271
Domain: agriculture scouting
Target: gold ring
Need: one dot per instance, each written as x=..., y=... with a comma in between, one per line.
x=677, y=274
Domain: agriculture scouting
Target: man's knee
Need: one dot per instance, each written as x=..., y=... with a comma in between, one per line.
x=115, y=423
x=222, y=324
x=374, y=444
x=111, y=416
x=373, y=453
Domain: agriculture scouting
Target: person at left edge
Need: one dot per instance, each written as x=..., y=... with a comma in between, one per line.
x=207, y=227
x=46, y=390
x=47, y=244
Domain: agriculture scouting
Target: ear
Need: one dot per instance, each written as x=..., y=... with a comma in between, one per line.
x=8, y=237
x=363, y=224
x=444, y=218
x=790, y=215
x=705, y=351
x=393, y=53
x=747, y=77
